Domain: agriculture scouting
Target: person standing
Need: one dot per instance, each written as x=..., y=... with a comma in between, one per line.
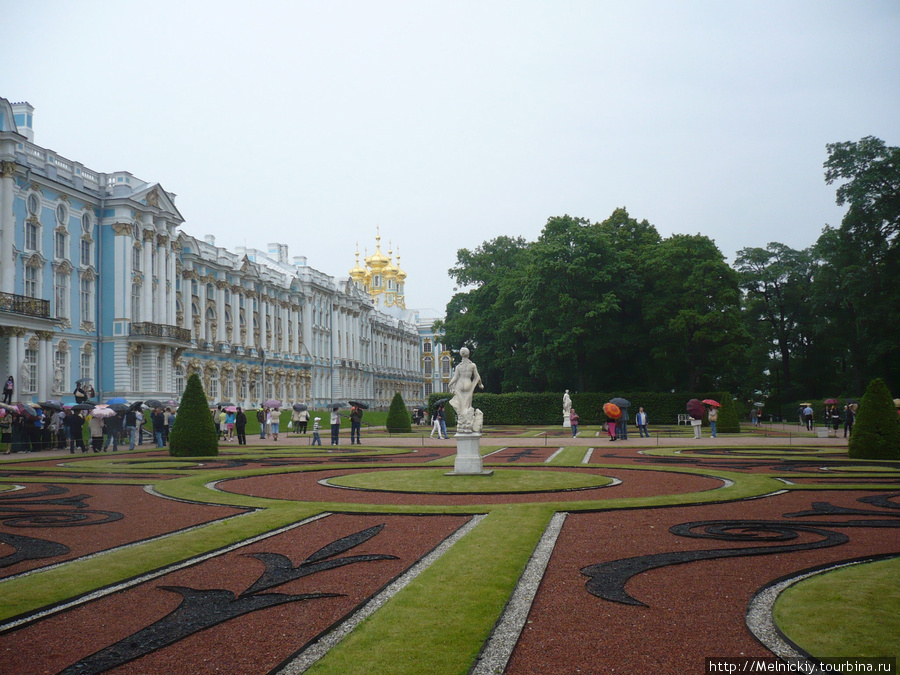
x=304, y=420
x=273, y=420
x=808, y=417
x=261, y=416
x=641, y=421
x=849, y=417
x=113, y=428
x=95, y=427
x=335, y=427
x=139, y=422
x=80, y=393
x=316, y=439
x=8, y=389
x=170, y=423
x=753, y=418
x=131, y=427
x=611, y=425
x=230, y=417
x=435, y=423
x=240, y=426
x=442, y=419
x=218, y=419
x=75, y=424
x=713, y=417
x=356, y=415
x=158, y=418
x=573, y=421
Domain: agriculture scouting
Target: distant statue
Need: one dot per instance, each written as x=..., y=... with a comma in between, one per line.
x=567, y=403
x=57, y=379
x=24, y=377
x=462, y=384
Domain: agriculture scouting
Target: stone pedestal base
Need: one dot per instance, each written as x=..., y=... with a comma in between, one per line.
x=468, y=457
x=567, y=421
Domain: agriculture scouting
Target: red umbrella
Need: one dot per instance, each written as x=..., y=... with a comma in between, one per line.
x=831, y=401
x=612, y=410
x=695, y=409
x=709, y=401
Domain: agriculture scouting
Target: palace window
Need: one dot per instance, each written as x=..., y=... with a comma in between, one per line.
x=60, y=245
x=135, y=366
x=34, y=205
x=136, y=256
x=160, y=371
x=213, y=392
x=86, y=224
x=179, y=380
x=445, y=366
x=30, y=383
x=87, y=299
x=86, y=365
x=428, y=366
x=32, y=231
x=61, y=294
x=87, y=250
x=32, y=281
x=62, y=214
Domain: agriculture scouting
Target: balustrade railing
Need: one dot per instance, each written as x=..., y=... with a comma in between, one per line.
x=160, y=330
x=22, y=304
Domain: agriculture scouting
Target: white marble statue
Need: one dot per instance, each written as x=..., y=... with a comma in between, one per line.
x=462, y=384
x=567, y=404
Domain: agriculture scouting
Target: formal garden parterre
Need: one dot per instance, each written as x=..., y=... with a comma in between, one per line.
x=287, y=558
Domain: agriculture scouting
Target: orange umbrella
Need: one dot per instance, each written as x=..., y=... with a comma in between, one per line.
x=612, y=410
x=709, y=401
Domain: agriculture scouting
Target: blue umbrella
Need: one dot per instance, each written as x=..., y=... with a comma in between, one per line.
x=117, y=399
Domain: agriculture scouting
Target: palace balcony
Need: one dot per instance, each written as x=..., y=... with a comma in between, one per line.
x=160, y=330
x=21, y=304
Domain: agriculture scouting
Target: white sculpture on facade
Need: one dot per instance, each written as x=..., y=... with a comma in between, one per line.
x=567, y=409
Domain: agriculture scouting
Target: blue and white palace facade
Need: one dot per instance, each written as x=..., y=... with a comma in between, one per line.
x=98, y=280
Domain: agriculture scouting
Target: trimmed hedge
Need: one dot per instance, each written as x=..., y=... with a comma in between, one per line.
x=876, y=431
x=194, y=432
x=398, y=421
x=546, y=408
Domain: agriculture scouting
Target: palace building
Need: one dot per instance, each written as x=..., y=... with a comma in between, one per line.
x=98, y=280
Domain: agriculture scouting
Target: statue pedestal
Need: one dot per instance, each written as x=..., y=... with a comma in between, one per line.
x=468, y=457
x=567, y=421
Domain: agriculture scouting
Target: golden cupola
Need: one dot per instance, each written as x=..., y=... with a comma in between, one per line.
x=358, y=274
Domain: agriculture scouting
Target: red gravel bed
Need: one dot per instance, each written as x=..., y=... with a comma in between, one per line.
x=252, y=643
x=305, y=487
x=144, y=516
x=694, y=610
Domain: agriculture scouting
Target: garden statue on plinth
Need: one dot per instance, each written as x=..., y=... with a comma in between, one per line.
x=567, y=410
x=469, y=420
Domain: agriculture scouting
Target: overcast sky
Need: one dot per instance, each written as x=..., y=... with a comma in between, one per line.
x=448, y=124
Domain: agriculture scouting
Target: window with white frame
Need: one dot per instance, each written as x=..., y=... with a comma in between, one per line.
x=229, y=387
x=60, y=245
x=136, y=303
x=86, y=223
x=32, y=235
x=136, y=257
x=34, y=205
x=160, y=371
x=428, y=366
x=30, y=383
x=243, y=389
x=135, y=366
x=179, y=380
x=61, y=366
x=62, y=214
x=428, y=388
x=213, y=392
x=61, y=294
x=87, y=251
x=86, y=365
x=32, y=281
x=445, y=366
x=87, y=299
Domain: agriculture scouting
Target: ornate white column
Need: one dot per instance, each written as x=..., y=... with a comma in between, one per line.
x=263, y=315
x=122, y=243
x=235, y=337
x=7, y=228
x=221, y=285
x=159, y=295
x=172, y=283
x=250, y=314
x=306, y=314
x=45, y=358
x=149, y=238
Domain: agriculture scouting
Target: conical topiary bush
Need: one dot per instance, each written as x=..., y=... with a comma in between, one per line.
x=876, y=432
x=194, y=432
x=398, y=417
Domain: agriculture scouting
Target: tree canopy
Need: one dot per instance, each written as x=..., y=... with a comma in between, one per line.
x=613, y=305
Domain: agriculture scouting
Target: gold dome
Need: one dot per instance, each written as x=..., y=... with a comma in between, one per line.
x=357, y=273
x=378, y=260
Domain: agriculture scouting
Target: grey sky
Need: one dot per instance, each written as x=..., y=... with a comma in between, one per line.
x=448, y=124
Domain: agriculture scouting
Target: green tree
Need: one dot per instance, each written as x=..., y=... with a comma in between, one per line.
x=694, y=313
x=876, y=432
x=484, y=316
x=194, y=432
x=777, y=284
x=398, y=421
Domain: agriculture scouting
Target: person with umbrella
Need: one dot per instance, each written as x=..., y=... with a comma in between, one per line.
x=622, y=423
x=613, y=413
x=230, y=417
x=95, y=429
x=299, y=417
x=712, y=415
x=113, y=429
x=273, y=420
x=356, y=415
